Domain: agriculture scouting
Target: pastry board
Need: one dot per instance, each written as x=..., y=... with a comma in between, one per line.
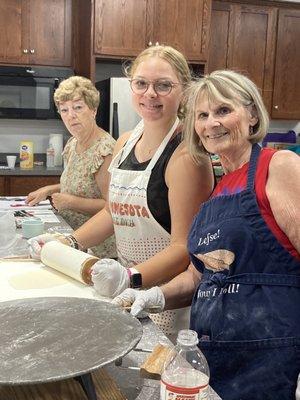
x=27, y=279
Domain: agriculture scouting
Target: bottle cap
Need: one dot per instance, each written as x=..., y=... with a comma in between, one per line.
x=187, y=337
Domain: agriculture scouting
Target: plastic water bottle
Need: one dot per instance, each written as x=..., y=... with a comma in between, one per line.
x=186, y=372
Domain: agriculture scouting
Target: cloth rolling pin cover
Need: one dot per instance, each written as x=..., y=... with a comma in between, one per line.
x=69, y=261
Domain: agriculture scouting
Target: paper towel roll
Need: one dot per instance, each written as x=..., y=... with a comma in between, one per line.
x=56, y=141
x=68, y=261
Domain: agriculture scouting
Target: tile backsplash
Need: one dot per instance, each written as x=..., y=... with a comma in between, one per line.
x=13, y=131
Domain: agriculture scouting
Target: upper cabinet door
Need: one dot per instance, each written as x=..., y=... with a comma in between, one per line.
x=35, y=32
x=13, y=32
x=253, y=44
x=220, y=27
x=286, y=98
x=243, y=39
x=120, y=27
x=50, y=32
x=183, y=24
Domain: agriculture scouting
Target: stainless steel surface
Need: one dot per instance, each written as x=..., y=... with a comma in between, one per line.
x=53, y=338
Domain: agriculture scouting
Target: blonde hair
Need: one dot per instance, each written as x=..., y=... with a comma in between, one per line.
x=224, y=86
x=77, y=87
x=173, y=57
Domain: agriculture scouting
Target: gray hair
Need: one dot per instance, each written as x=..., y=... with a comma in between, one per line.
x=227, y=87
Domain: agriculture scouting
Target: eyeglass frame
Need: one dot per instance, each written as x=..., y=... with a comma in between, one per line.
x=153, y=83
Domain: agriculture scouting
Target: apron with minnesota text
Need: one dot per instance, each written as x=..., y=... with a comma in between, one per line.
x=138, y=235
x=246, y=307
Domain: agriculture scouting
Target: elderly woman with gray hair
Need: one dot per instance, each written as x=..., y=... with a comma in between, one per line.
x=244, y=245
x=83, y=186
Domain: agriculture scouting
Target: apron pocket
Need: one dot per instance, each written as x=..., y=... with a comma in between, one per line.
x=264, y=369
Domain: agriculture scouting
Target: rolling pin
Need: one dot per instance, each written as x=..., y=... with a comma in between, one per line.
x=69, y=261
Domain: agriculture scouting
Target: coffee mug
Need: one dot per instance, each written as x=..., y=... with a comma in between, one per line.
x=32, y=227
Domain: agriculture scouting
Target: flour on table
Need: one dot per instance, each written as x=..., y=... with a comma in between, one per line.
x=39, y=279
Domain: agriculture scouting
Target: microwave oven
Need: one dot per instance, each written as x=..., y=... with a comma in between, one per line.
x=27, y=92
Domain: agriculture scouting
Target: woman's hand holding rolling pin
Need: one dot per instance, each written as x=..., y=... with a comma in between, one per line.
x=109, y=277
x=36, y=243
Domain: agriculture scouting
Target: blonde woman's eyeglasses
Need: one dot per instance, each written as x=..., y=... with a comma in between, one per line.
x=161, y=87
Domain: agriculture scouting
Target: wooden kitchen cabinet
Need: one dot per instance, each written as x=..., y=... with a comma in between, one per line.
x=120, y=27
x=286, y=96
x=35, y=32
x=125, y=28
x=21, y=185
x=183, y=24
x=243, y=39
x=2, y=186
x=261, y=41
x=13, y=31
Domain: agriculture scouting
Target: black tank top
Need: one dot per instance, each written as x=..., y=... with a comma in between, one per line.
x=157, y=190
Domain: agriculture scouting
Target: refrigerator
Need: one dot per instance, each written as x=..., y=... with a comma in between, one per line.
x=115, y=113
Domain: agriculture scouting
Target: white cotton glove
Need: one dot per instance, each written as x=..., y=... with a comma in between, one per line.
x=298, y=389
x=142, y=301
x=37, y=242
x=109, y=277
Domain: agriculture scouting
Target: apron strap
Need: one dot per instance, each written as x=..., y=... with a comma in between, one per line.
x=265, y=279
x=132, y=140
x=252, y=166
x=162, y=146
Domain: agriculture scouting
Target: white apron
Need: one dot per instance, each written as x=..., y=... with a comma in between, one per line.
x=138, y=235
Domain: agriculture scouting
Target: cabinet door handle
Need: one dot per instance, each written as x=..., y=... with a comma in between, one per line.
x=31, y=51
x=276, y=107
x=25, y=51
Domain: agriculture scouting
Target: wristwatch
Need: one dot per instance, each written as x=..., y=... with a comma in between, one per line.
x=135, y=278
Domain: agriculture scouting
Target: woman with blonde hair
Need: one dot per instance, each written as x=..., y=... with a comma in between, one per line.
x=155, y=187
x=244, y=245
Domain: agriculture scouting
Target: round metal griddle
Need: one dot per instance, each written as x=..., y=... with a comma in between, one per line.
x=53, y=338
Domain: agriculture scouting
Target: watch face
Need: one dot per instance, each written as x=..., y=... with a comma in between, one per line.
x=136, y=281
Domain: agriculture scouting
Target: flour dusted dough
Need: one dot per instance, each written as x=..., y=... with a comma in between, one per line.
x=39, y=279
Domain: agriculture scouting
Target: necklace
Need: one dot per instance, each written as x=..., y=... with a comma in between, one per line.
x=142, y=153
x=149, y=151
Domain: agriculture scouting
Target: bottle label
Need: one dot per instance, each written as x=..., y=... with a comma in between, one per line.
x=172, y=392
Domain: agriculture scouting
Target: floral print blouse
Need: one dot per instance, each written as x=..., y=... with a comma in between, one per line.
x=78, y=179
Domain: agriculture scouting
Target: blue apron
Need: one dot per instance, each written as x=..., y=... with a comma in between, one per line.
x=246, y=307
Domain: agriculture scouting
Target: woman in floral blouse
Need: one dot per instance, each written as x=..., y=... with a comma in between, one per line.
x=83, y=185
